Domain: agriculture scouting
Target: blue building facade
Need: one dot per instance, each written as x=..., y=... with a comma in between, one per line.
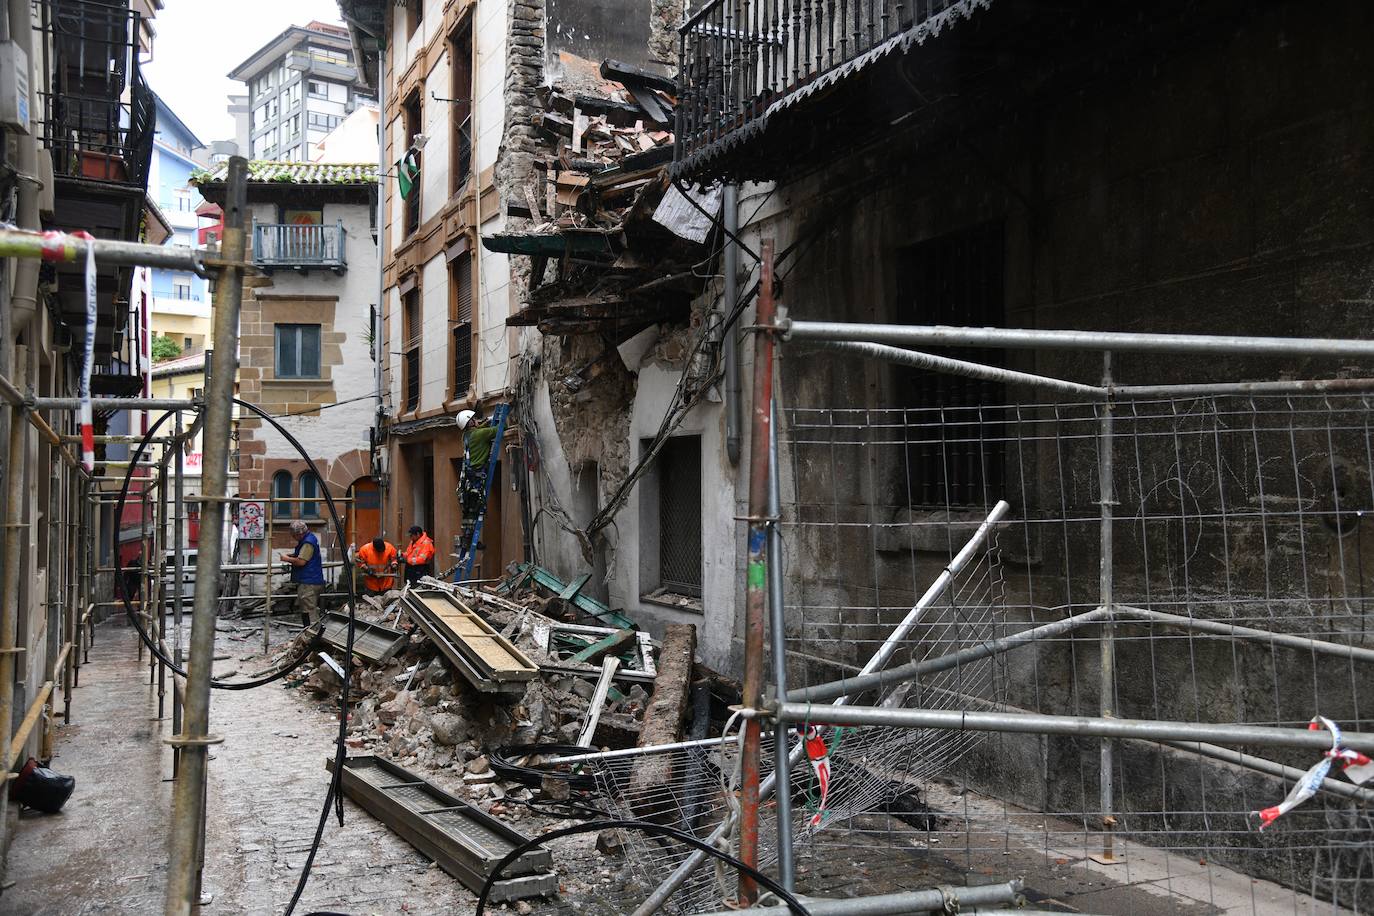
x=180, y=300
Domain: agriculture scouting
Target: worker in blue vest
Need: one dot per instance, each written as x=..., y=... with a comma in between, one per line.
x=307, y=571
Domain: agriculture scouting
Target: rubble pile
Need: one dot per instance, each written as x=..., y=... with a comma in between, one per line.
x=415, y=711
x=621, y=238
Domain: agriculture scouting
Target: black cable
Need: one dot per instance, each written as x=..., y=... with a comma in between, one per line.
x=334, y=796
x=143, y=634
x=502, y=761
x=651, y=829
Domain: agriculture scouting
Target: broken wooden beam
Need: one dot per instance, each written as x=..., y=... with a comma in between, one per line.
x=603, y=647
x=603, y=687
x=663, y=719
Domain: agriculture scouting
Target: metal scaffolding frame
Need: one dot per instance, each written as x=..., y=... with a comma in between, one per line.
x=73, y=503
x=802, y=707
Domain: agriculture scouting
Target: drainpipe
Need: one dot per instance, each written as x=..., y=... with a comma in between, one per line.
x=24, y=299
x=731, y=339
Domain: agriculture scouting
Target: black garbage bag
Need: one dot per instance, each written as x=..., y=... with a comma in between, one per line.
x=41, y=788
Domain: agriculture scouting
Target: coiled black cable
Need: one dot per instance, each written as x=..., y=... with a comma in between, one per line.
x=129, y=612
x=651, y=829
x=503, y=762
x=333, y=798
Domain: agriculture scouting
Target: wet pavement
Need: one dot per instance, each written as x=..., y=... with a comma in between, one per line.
x=105, y=853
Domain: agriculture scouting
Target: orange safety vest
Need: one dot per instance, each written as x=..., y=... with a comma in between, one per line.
x=376, y=565
x=419, y=552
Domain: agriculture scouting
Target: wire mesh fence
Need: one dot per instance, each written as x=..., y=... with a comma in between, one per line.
x=1230, y=515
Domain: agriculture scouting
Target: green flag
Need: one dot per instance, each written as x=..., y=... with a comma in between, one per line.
x=408, y=172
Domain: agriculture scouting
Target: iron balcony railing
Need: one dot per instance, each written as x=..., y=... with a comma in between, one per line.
x=99, y=115
x=738, y=57
x=297, y=246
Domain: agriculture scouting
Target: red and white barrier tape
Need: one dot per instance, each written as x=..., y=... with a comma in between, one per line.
x=1357, y=767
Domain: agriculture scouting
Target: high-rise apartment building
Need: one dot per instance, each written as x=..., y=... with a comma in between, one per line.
x=301, y=85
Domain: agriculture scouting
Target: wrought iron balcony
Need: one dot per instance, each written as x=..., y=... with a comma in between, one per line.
x=91, y=127
x=278, y=245
x=740, y=61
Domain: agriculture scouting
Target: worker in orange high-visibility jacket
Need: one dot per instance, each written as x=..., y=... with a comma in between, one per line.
x=418, y=555
x=378, y=561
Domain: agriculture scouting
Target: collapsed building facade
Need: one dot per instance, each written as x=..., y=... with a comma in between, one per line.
x=969, y=163
x=982, y=164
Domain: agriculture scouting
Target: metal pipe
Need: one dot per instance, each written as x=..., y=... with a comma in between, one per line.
x=9, y=562
x=730, y=339
x=756, y=576
x=62, y=247
x=1035, y=338
x=903, y=673
x=1213, y=389
x=777, y=632
x=964, y=368
x=188, y=814
x=694, y=861
x=946, y=899
x=1107, y=637
x=1072, y=726
x=267, y=579
x=52, y=600
x=936, y=589
x=24, y=300
x=178, y=548
x=117, y=403
x=1271, y=768
x=1221, y=628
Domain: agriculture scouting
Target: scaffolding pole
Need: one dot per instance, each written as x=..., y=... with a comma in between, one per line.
x=66, y=248
x=756, y=575
x=1031, y=338
x=188, y=814
x=962, y=720
x=1107, y=638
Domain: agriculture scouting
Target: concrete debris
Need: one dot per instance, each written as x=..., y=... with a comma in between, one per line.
x=622, y=240
x=413, y=710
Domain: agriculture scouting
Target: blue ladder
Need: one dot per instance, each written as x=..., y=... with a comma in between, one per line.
x=464, y=570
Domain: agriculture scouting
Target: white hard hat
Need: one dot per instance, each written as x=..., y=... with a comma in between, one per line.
x=465, y=417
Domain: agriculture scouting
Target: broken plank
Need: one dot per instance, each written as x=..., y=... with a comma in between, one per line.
x=625, y=74
x=598, y=650
x=663, y=719
x=372, y=642
x=589, y=606
x=603, y=686
x=574, y=587
x=473, y=648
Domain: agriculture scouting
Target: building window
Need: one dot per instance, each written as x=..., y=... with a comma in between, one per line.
x=181, y=289
x=954, y=451
x=295, y=123
x=281, y=490
x=410, y=121
x=298, y=351
x=317, y=89
x=670, y=516
x=186, y=344
x=460, y=110
x=411, y=336
x=460, y=320
x=322, y=121
x=415, y=14
x=310, y=490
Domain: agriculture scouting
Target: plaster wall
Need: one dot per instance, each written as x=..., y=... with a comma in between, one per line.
x=342, y=427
